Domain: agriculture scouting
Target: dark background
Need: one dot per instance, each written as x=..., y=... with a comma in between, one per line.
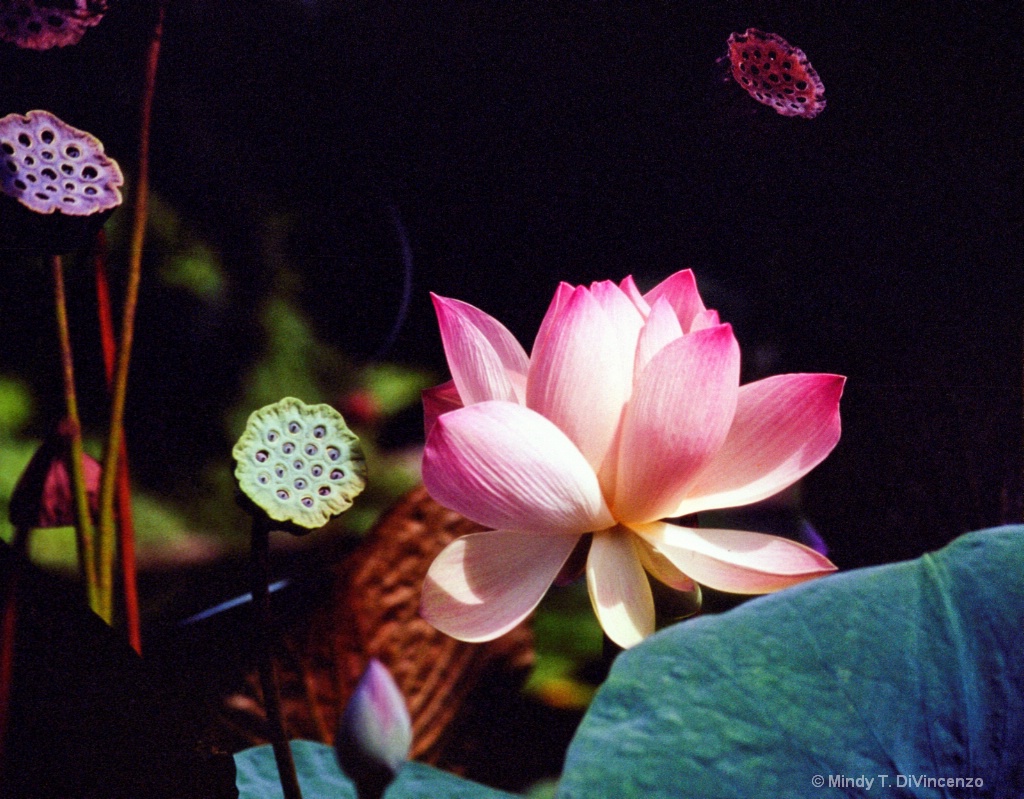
x=526, y=143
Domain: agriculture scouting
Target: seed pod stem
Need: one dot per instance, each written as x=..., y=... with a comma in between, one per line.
x=125, y=518
x=264, y=631
x=83, y=526
x=120, y=388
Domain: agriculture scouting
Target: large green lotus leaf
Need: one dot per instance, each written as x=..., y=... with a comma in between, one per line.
x=420, y=781
x=319, y=775
x=912, y=671
x=321, y=778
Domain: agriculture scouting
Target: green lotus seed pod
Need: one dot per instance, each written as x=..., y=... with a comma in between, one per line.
x=299, y=463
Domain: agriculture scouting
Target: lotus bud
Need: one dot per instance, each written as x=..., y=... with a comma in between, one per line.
x=43, y=496
x=299, y=464
x=375, y=733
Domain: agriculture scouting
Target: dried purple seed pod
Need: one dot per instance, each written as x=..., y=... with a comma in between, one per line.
x=42, y=24
x=50, y=166
x=63, y=184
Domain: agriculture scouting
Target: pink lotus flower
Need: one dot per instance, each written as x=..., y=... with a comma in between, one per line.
x=628, y=413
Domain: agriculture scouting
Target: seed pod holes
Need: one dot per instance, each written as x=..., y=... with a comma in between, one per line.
x=49, y=166
x=305, y=491
x=42, y=24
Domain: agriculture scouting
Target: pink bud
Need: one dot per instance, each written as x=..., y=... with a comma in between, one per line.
x=43, y=496
x=375, y=734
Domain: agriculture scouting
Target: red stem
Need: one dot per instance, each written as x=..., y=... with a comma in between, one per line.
x=8, y=620
x=126, y=523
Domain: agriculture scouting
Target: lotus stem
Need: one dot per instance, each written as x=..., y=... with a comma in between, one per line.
x=264, y=631
x=115, y=434
x=84, y=536
x=126, y=523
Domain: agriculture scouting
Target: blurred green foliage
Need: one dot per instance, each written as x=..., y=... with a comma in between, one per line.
x=188, y=511
x=261, y=351
x=294, y=362
x=193, y=270
x=567, y=638
x=15, y=449
x=157, y=522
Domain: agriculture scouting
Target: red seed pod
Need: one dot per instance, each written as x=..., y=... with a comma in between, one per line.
x=43, y=496
x=42, y=24
x=775, y=73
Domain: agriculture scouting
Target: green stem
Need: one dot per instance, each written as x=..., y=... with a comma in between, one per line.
x=83, y=524
x=264, y=639
x=126, y=523
x=115, y=434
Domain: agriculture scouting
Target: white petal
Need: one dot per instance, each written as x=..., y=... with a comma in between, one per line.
x=661, y=568
x=484, y=584
x=737, y=561
x=618, y=588
x=624, y=315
